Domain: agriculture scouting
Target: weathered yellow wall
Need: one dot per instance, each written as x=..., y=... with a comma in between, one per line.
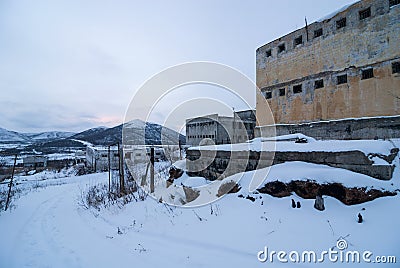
x=373, y=42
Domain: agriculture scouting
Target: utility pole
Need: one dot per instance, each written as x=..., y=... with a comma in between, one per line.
x=11, y=182
x=152, y=170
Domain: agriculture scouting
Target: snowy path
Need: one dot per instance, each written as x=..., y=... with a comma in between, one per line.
x=49, y=229
x=42, y=228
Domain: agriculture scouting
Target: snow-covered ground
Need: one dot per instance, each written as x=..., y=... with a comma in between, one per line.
x=48, y=228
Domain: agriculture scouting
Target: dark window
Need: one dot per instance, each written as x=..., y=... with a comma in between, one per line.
x=282, y=92
x=318, y=33
x=298, y=41
x=395, y=67
x=268, y=53
x=341, y=23
x=368, y=73
x=341, y=79
x=268, y=95
x=365, y=13
x=319, y=84
x=393, y=2
x=297, y=89
x=281, y=48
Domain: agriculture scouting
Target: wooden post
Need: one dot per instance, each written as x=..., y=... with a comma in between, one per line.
x=11, y=182
x=152, y=170
x=109, y=169
x=234, y=123
x=180, y=149
x=121, y=170
x=144, y=178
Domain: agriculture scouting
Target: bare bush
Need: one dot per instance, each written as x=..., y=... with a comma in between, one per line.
x=3, y=162
x=99, y=196
x=14, y=194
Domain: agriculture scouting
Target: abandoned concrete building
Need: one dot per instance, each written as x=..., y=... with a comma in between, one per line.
x=338, y=77
x=97, y=158
x=35, y=161
x=218, y=129
x=141, y=153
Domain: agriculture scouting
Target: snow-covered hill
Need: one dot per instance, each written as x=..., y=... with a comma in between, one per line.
x=50, y=135
x=12, y=136
x=135, y=131
x=7, y=136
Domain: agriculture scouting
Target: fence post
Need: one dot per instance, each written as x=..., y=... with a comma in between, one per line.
x=180, y=149
x=109, y=169
x=121, y=170
x=152, y=170
x=11, y=182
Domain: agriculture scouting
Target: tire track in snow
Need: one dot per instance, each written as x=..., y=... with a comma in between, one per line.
x=36, y=244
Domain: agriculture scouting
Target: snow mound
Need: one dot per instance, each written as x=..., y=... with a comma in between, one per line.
x=287, y=143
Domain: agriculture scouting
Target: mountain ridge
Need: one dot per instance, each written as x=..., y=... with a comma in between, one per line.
x=135, y=131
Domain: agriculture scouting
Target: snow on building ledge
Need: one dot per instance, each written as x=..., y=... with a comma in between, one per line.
x=374, y=158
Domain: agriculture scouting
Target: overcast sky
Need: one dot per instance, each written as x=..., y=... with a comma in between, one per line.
x=72, y=65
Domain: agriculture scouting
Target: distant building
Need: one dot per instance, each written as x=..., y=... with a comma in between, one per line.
x=59, y=161
x=140, y=154
x=35, y=161
x=344, y=66
x=137, y=154
x=217, y=129
x=97, y=157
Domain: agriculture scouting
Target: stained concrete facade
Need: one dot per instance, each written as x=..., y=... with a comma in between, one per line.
x=344, y=66
x=372, y=128
x=227, y=163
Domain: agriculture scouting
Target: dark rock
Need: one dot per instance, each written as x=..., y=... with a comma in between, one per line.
x=310, y=189
x=360, y=218
x=298, y=204
x=175, y=172
x=293, y=204
x=276, y=188
x=301, y=140
x=229, y=187
x=319, y=203
x=252, y=199
x=190, y=194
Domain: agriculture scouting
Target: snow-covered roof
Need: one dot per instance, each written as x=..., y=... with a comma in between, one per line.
x=333, y=14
